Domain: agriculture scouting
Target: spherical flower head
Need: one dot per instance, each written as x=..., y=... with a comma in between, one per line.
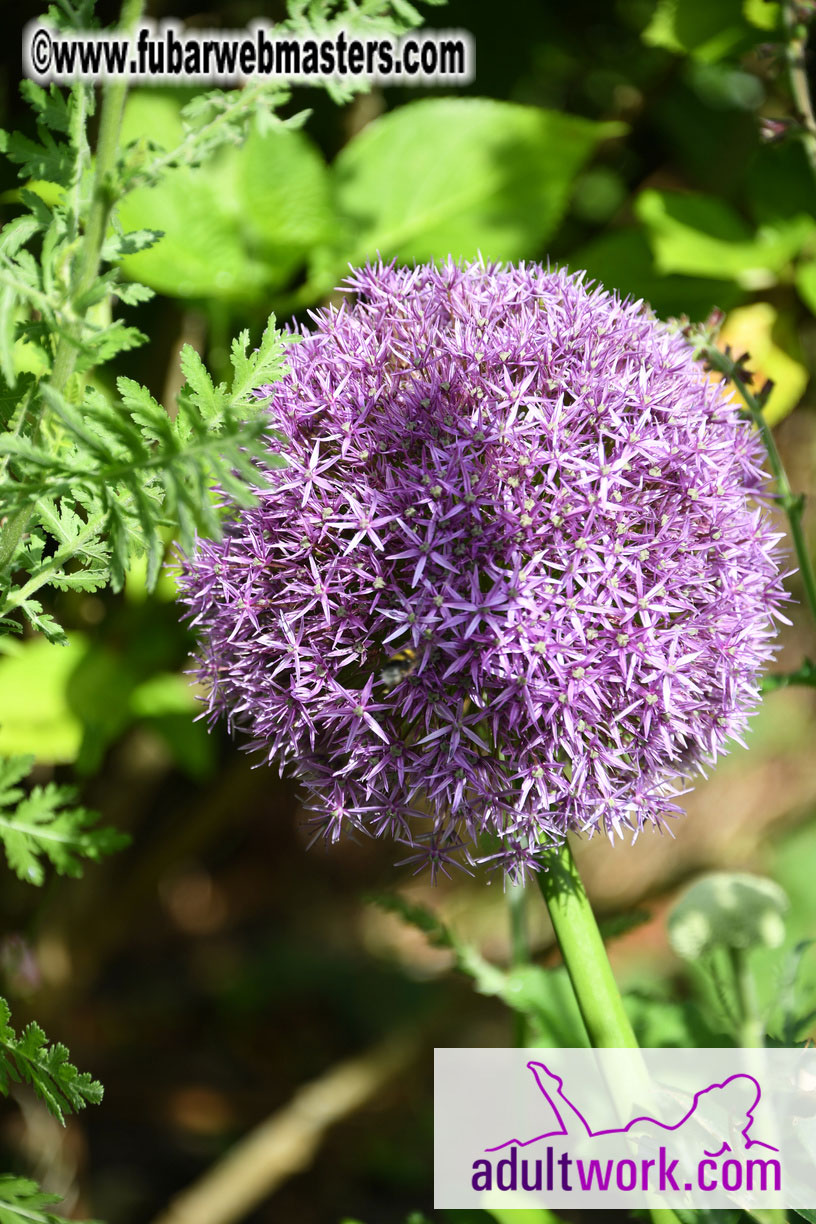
x=516, y=578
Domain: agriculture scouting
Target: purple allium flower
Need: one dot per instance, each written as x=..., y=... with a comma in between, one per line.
x=516, y=578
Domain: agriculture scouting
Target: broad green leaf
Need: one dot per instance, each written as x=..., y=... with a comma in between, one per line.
x=703, y=236
x=202, y=252
x=780, y=184
x=763, y=14
x=242, y=224
x=164, y=693
x=623, y=260
x=152, y=115
x=667, y=1024
x=458, y=176
x=727, y=909
x=284, y=191
x=35, y=716
x=806, y=284
x=706, y=29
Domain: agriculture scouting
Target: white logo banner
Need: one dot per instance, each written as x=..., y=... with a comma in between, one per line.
x=624, y=1128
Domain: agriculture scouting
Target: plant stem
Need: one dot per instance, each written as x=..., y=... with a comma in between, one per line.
x=792, y=504
x=582, y=948
x=587, y=964
x=86, y=268
x=103, y=197
x=751, y=1034
x=795, y=46
x=520, y=948
x=751, y=1028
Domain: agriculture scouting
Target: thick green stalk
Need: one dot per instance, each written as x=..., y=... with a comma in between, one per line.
x=587, y=964
x=584, y=954
x=752, y=1029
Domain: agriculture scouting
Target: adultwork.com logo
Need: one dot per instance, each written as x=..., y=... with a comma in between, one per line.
x=711, y=1146
x=625, y=1128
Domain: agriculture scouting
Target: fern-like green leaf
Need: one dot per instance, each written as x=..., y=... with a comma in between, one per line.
x=23, y=1202
x=29, y=1059
x=39, y=825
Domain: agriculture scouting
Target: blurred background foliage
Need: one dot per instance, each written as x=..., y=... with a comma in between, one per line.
x=214, y=967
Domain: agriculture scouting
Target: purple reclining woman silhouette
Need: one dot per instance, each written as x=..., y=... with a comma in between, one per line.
x=713, y=1119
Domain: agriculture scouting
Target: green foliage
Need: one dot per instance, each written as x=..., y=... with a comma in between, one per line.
x=39, y=825
x=712, y=1216
x=433, y=178
x=794, y=1011
x=125, y=469
x=524, y=1215
x=29, y=1059
x=729, y=910
x=543, y=996
x=455, y=176
x=22, y=1202
x=703, y=236
x=240, y=227
x=708, y=29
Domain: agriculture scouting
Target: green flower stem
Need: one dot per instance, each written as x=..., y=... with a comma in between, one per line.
x=103, y=197
x=582, y=948
x=751, y=1027
x=796, y=33
x=751, y=1035
x=587, y=964
x=520, y=948
x=792, y=504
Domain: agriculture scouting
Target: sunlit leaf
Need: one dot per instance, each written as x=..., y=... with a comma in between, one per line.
x=456, y=176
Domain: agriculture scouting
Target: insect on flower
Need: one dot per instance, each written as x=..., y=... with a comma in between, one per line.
x=398, y=667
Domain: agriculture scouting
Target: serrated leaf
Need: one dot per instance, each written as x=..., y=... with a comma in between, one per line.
x=262, y=365
x=50, y=105
x=41, y=826
x=200, y=383
x=47, y=159
x=22, y=1202
x=132, y=293
x=118, y=245
x=30, y=1059
x=125, y=469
